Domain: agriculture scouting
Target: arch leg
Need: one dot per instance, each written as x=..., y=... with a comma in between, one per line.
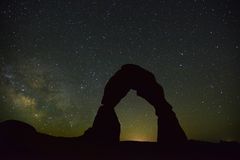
x=105, y=128
x=169, y=129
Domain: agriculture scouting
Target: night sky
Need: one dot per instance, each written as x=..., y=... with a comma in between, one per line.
x=56, y=57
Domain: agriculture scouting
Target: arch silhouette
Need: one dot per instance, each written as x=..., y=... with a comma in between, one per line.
x=106, y=126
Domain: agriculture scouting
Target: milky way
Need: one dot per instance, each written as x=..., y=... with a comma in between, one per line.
x=56, y=57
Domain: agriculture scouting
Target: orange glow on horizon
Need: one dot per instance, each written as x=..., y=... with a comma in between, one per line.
x=139, y=138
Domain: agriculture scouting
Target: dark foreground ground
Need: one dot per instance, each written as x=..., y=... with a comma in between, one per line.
x=123, y=150
x=20, y=141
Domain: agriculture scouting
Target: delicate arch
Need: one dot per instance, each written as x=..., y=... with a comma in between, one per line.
x=106, y=127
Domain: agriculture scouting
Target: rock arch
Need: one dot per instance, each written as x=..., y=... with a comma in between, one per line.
x=106, y=127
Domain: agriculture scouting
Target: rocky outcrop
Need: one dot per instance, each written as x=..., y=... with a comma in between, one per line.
x=106, y=127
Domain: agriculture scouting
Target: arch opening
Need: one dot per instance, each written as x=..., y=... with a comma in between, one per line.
x=137, y=118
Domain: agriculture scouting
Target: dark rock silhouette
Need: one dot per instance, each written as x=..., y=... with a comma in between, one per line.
x=13, y=131
x=106, y=127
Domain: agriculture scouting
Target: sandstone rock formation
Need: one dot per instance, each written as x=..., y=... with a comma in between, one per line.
x=106, y=127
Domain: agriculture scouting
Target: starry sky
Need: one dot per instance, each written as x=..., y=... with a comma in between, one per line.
x=56, y=57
